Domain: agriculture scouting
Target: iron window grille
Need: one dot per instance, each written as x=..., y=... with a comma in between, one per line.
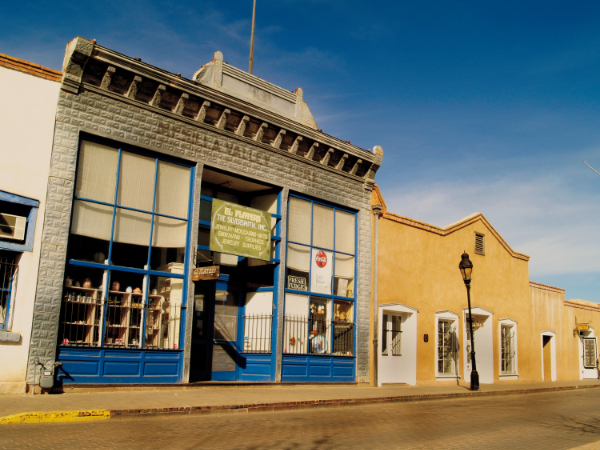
x=7, y=280
x=257, y=333
x=305, y=335
x=507, y=350
x=447, y=346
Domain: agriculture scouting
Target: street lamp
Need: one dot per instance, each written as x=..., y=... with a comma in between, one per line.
x=466, y=268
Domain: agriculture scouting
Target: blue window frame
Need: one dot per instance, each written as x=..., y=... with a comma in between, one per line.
x=130, y=227
x=7, y=281
x=22, y=206
x=319, y=314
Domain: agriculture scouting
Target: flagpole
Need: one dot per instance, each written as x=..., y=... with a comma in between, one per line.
x=252, y=39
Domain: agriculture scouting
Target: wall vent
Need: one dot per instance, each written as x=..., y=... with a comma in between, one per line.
x=12, y=227
x=479, y=244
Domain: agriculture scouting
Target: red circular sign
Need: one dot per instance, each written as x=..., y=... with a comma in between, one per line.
x=321, y=259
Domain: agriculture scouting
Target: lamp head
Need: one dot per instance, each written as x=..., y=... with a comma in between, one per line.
x=466, y=268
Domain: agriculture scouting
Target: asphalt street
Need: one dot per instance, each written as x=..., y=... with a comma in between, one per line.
x=557, y=420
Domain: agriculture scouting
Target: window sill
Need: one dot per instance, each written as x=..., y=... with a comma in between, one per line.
x=446, y=377
x=7, y=336
x=509, y=376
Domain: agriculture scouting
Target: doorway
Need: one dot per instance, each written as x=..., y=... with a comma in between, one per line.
x=484, y=344
x=548, y=356
x=588, y=350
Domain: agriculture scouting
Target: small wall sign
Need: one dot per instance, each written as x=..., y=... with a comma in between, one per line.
x=583, y=327
x=206, y=273
x=297, y=283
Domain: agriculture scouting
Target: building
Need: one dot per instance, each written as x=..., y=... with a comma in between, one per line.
x=524, y=331
x=199, y=229
x=29, y=95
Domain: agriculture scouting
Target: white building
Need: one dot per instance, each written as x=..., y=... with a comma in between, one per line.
x=29, y=96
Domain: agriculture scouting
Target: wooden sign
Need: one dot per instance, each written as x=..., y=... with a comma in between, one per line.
x=477, y=324
x=583, y=327
x=206, y=273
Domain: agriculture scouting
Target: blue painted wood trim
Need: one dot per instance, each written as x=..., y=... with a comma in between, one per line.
x=14, y=198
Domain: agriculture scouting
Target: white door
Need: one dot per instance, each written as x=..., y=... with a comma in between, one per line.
x=391, y=348
x=590, y=357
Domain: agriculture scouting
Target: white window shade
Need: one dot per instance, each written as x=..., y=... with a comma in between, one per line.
x=136, y=181
x=322, y=226
x=298, y=257
x=132, y=227
x=92, y=220
x=344, y=266
x=172, y=190
x=299, y=220
x=344, y=231
x=97, y=172
x=169, y=233
x=296, y=305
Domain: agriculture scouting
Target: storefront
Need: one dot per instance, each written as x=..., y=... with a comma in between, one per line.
x=211, y=235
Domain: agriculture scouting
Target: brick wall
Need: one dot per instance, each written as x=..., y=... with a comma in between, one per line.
x=123, y=121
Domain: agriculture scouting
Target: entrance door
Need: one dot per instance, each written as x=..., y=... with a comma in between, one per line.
x=225, y=346
x=590, y=357
x=547, y=349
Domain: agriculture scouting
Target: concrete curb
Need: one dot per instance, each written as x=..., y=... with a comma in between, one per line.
x=88, y=415
x=56, y=416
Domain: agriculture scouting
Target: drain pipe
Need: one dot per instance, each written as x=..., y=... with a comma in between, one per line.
x=376, y=211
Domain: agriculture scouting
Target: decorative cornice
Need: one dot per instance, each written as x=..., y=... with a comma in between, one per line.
x=36, y=70
x=362, y=164
x=546, y=287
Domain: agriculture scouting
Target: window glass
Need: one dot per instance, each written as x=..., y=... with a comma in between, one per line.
x=322, y=226
x=298, y=263
x=124, y=310
x=136, y=181
x=258, y=319
x=507, y=351
x=446, y=347
x=344, y=231
x=91, y=226
x=343, y=328
x=299, y=220
x=226, y=315
x=131, y=239
x=321, y=272
x=319, y=325
x=295, y=339
x=344, y=275
x=204, y=236
x=172, y=190
x=384, y=335
x=97, y=172
x=81, y=307
x=396, y=335
x=205, y=210
x=163, y=313
x=168, y=242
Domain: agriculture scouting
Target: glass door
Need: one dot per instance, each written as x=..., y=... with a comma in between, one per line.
x=225, y=348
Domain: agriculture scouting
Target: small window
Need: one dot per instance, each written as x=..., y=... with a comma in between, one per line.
x=447, y=345
x=507, y=349
x=479, y=244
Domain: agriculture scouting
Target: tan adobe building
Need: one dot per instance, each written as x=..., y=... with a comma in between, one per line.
x=524, y=331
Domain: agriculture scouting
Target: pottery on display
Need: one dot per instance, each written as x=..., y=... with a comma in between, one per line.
x=129, y=290
x=68, y=282
x=77, y=284
x=137, y=291
x=116, y=286
x=87, y=283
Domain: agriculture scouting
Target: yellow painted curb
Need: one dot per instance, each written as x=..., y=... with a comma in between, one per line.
x=56, y=416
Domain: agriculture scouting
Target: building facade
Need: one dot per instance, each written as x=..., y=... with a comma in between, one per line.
x=205, y=230
x=524, y=331
x=29, y=95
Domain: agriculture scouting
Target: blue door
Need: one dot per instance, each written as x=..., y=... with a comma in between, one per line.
x=226, y=348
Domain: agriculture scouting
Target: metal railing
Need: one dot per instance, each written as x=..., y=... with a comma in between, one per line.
x=309, y=335
x=257, y=333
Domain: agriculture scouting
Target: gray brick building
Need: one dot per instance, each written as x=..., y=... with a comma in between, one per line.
x=139, y=157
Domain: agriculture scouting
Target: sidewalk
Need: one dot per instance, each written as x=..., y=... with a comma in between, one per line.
x=235, y=398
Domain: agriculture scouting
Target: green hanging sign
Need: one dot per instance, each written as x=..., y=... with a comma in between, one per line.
x=239, y=230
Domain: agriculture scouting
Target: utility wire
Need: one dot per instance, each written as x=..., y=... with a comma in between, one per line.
x=591, y=167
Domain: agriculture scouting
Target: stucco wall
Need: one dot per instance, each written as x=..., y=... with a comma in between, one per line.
x=26, y=130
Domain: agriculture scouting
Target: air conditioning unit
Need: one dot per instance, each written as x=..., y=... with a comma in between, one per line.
x=12, y=227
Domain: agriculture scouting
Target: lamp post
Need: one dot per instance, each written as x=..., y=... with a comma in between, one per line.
x=466, y=268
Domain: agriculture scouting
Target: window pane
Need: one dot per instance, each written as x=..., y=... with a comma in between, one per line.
x=226, y=315
x=81, y=313
x=163, y=313
x=295, y=339
x=204, y=236
x=205, y=210
x=168, y=242
x=258, y=320
x=322, y=226
x=446, y=347
x=396, y=335
x=384, y=335
x=172, y=190
x=298, y=264
x=321, y=272
x=319, y=325
x=344, y=275
x=136, y=181
x=90, y=232
x=97, y=172
x=343, y=328
x=124, y=310
x=131, y=239
x=344, y=231
x=299, y=220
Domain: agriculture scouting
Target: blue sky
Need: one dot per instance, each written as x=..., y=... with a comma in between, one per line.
x=479, y=106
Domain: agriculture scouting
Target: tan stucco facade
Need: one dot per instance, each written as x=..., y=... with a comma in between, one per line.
x=418, y=268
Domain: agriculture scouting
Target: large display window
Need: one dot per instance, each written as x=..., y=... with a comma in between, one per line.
x=126, y=271
x=320, y=279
